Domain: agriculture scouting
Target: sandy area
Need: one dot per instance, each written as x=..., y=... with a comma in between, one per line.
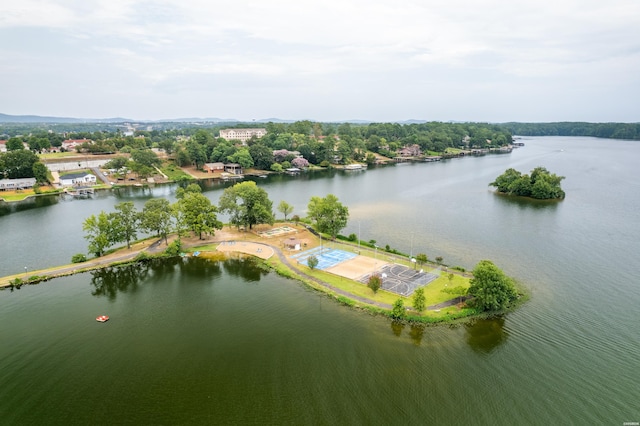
x=255, y=249
x=357, y=267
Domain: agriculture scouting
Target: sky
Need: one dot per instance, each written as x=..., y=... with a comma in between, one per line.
x=329, y=60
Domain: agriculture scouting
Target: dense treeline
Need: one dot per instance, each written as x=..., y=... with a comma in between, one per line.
x=285, y=145
x=598, y=130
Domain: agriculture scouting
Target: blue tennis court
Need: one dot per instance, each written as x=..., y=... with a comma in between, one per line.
x=327, y=257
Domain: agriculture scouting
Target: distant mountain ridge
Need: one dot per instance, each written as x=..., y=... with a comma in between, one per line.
x=7, y=118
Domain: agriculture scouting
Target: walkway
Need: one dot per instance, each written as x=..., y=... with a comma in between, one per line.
x=155, y=247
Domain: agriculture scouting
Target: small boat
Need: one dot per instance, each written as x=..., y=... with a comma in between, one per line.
x=102, y=318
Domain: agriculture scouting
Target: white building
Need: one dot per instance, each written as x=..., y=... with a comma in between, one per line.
x=75, y=179
x=14, y=184
x=242, y=134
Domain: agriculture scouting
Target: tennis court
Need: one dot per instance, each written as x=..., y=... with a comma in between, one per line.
x=327, y=257
x=402, y=280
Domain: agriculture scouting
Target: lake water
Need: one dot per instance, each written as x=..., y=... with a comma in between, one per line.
x=196, y=342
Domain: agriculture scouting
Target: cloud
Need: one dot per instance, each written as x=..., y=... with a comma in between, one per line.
x=328, y=47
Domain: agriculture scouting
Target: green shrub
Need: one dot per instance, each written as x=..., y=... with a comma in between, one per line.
x=173, y=249
x=78, y=258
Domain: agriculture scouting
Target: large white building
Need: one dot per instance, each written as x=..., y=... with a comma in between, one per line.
x=242, y=134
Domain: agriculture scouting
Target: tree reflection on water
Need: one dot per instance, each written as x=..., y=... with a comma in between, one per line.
x=485, y=335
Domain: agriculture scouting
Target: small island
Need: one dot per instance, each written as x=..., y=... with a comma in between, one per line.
x=540, y=184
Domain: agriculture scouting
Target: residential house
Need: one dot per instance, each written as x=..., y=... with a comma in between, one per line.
x=71, y=144
x=213, y=167
x=14, y=184
x=3, y=146
x=410, y=151
x=76, y=179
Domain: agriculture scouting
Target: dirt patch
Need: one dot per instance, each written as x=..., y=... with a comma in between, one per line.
x=260, y=250
x=357, y=267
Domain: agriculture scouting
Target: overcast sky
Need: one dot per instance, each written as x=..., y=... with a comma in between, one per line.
x=329, y=60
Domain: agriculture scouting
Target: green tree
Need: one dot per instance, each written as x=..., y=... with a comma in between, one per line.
x=197, y=153
x=247, y=204
x=145, y=157
x=242, y=157
x=124, y=222
x=419, y=301
x=285, y=208
x=14, y=144
x=398, y=311
x=156, y=217
x=195, y=212
x=505, y=180
x=262, y=156
x=99, y=233
x=329, y=215
x=17, y=164
x=374, y=282
x=491, y=288
x=116, y=163
x=421, y=258
x=40, y=172
x=312, y=262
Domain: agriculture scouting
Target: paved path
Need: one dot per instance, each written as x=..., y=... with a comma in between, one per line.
x=155, y=247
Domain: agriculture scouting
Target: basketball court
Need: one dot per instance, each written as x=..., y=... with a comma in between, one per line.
x=403, y=280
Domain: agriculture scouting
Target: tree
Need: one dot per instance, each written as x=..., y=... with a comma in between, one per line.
x=116, y=163
x=374, y=282
x=145, y=157
x=491, y=288
x=195, y=212
x=419, y=301
x=439, y=260
x=40, y=172
x=99, y=233
x=398, y=311
x=17, y=164
x=285, y=208
x=196, y=153
x=329, y=215
x=312, y=262
x=262, y=156
x=124, y=222
x=156, y=217
x=421, y=258
x=14, y=144
x=505, y=180
x=247, y=204
x=242, y=157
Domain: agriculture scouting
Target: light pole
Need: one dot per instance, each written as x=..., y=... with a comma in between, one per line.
x=25, y=272
x=358, y=237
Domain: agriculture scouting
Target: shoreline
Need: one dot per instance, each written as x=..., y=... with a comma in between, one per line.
x=230, y=240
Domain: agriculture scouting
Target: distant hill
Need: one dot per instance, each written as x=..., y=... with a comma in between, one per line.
x=6, y=118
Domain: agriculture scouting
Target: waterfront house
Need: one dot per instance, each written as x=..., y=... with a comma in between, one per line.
x=76, y=179
x=16, y=184
x=213, y=167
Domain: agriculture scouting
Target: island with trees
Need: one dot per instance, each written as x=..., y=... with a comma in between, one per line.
x=540, y=184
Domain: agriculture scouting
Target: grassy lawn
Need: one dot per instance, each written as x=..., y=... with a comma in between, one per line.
x=174, y=172
x=10, y=196
x=54, y=155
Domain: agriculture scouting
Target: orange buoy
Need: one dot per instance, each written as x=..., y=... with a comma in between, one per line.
x=102, y=318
